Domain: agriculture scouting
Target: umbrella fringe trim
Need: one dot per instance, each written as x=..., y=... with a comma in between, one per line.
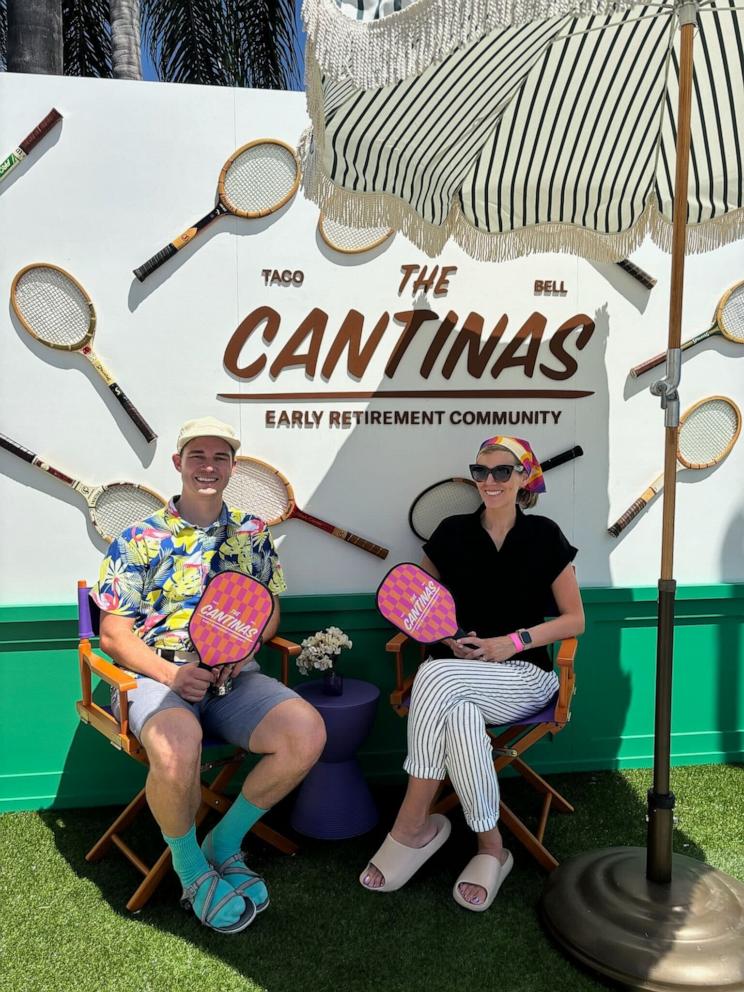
x=376, y=53
x=386, y=210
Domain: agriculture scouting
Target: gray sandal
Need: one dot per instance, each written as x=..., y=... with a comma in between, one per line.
x=235, y=865
x=208, y=910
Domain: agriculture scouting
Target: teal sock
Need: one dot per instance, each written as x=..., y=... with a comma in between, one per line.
x=226, y=838
x=189, y=864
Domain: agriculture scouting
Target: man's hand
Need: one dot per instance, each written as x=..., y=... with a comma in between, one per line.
x=191, y=682
x=225, y=672
x=488, y=648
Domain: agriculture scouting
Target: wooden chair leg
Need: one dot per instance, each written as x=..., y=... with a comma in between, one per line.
x=560, y=804
x=130, y=813
x=527, y=839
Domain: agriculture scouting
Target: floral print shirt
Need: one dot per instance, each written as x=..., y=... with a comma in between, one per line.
x=155, y=572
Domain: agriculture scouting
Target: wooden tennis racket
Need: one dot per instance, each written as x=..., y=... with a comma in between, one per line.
x=707, y=432
x=257, y=179
x=112, y=507
x=55, y=309
x=457, y=495
x=351, y=240
x=16, y=157
x=259, y=488
x=728, y=321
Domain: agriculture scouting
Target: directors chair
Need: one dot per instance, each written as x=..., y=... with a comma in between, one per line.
x=509, y=745
x=118, y=734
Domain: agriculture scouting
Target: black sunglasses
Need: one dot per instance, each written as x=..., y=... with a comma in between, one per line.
x=499, y=473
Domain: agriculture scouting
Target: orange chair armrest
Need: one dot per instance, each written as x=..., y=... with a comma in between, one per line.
x=115, y=677
x=567, y=652
x=287, y=649
x=282, y=644
x=396, y=643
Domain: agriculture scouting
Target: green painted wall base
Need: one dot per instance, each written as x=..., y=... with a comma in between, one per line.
x=49, y=759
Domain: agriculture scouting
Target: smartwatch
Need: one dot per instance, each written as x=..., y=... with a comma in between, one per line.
x=525, y=638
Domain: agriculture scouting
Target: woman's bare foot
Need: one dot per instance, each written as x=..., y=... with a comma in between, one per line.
x=408, y=836
x=476, y=894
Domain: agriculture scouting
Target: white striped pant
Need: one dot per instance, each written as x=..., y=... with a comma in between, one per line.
x=451, y=703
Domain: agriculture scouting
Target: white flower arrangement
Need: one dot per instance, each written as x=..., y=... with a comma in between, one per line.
x=321, y=650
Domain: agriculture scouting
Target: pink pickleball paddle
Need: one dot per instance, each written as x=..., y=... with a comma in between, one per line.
x=229, y=618
x=418, y=604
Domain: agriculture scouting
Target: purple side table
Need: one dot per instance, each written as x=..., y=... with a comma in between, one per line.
x=334, y=801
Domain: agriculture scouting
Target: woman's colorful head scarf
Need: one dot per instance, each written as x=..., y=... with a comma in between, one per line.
x=533, y=478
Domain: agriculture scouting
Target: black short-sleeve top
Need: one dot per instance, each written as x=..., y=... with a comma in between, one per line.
x=498, y=592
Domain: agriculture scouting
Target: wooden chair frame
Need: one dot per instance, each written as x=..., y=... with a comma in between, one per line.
x=120, y=736
x=509, y=745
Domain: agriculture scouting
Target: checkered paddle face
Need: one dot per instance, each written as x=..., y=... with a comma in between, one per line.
x=229, y=618
x=414, y=602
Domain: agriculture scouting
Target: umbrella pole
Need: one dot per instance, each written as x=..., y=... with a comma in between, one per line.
x=660, y=798
x=648, y=918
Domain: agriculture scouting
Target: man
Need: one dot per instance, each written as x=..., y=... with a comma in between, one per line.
x=149, y=584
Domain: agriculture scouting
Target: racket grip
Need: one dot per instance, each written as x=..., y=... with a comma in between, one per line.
x=565, y=456
x=638, y=273
x=360, y=542
x=142, y=426
x=648, y=365
x=17, y=449
x=40, y=130
x=630, y=514
x=155, y=262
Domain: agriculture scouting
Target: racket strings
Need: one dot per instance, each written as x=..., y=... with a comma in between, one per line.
x=707, y=432
x=260, y=178
x=444, y=500
x=53, y=306
x=256, y=489
x=732, y=317
x=121, y=505
x=346, y=238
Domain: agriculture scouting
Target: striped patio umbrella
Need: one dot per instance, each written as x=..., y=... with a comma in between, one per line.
x=516, y=126
x=546, y=135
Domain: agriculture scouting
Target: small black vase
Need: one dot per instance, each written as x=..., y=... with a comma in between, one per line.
x=333, y=683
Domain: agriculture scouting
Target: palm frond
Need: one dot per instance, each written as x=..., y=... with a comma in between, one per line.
x=3, y=36
x=223, y=42
x=268, y=32
x=87, y=38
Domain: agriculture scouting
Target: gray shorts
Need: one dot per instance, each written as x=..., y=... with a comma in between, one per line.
x=231, y=718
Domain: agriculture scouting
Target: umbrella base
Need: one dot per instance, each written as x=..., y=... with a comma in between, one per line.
x=689, y=934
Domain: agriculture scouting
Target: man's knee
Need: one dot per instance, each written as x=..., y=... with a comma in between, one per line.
x=311, y=735
x=294, y=728
x=173, y=740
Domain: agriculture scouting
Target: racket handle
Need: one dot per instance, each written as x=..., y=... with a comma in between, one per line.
x=638, y=273
x=17, y=449
x=630, y=514
x=142, y=426
x=360, y=542
x=40, y=130
x=562, y=458
x=648, y=365
x=155, y=262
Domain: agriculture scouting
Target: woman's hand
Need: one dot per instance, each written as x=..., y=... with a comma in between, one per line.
x=487, y=648
x=457, y=647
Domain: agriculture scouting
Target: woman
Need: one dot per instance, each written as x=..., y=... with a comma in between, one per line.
x=506, y=570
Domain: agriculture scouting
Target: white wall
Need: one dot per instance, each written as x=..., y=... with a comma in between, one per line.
x=134, y=164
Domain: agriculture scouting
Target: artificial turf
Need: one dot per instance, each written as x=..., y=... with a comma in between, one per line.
x=64, y=926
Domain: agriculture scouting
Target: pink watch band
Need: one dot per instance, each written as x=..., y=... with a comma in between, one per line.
x=517, y=641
